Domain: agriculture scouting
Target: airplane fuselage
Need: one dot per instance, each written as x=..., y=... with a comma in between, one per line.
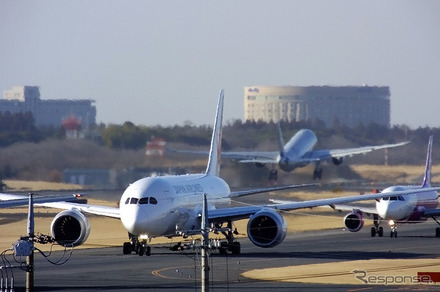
x=407, y=208
x=301, y=143
x=157, y=206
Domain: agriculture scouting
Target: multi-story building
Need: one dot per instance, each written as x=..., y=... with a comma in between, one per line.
x=341, y=105
x=49, y=112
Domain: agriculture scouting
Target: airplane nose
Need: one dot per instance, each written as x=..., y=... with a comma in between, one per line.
x=389, y=210
x=134, y=220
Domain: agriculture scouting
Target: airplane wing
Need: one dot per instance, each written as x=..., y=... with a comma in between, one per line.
x=338, y=153
x=252, y=157
x=236, y=213
x=269, y=189
x=337, y=207
x=242, y=156
x=350, y=208
x=106, y=211
x=67, y=202
x=311, y=156
x=12, y=200
x=431, y=213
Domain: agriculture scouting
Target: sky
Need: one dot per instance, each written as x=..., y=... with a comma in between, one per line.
x=164, y=62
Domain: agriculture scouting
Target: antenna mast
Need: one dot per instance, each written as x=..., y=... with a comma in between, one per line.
x=205, y=247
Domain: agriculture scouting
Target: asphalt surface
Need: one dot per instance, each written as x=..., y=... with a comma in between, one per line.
x=106, y=269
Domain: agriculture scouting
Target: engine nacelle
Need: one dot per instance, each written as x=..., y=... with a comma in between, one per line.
x=267, y=228
x=70, y=228
x=337, y=161
x=354, y=221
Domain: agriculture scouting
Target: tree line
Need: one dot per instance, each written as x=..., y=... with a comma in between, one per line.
x=31, y=152
x=20, y=127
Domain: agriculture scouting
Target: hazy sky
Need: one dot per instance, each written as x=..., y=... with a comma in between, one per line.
x=164, y=62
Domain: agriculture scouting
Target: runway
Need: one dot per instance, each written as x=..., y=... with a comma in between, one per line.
x=106, y=269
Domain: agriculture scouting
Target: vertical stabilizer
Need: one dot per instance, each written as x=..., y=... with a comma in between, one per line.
x=427, y=178
x=280, y=139
x=282, y=155
x=213, y=167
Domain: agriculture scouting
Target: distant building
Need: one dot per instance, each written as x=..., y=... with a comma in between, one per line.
x=72, y=126
x=340, y=105
x=99, y=178
x=49, y=112
x=155, y=147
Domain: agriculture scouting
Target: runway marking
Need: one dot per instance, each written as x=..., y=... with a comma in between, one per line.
x=218, y=265
x=157, y=273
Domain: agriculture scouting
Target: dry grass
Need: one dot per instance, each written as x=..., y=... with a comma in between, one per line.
x=342, y=272
x=400, y=174
x=21, y=185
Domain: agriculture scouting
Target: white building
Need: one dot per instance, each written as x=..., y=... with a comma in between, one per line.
x=342, y=105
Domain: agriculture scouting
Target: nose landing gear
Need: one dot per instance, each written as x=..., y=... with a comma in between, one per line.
x=393, y=227
x=139, y=247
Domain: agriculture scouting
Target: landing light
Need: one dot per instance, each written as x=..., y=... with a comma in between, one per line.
x=391, y=222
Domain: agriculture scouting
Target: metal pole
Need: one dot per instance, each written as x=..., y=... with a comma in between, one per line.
x=205, y=246
x=30, y=258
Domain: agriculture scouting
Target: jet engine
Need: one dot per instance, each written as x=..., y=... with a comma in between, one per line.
x=70, y=228
x=354, y=221
x=266, y=228
x=337, y=161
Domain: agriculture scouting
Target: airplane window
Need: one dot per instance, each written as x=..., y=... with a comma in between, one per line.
x=134, y=201
x=143, y=201
x=127, y=201
x=153, y=201
x=401, y=198
x=393, y=198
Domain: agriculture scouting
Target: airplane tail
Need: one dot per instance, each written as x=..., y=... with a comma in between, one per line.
x=213, y=167
x=280, y=141
x=427, y=177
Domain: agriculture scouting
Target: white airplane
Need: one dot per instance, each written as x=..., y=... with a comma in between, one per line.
x=412, y=208
x=172, y=206
x=298, y=152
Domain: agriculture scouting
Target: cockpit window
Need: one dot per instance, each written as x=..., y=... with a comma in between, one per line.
x=143, y=201
x=394, y=198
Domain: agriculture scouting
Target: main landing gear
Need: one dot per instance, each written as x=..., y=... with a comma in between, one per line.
x=376, y=229
x=437, y=230
x=230, y=244
x=317, y=173
x=139, y=247
x=273, y=175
